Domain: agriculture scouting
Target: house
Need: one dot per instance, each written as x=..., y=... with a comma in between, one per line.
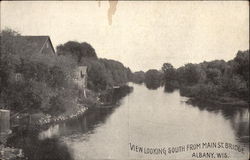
x=81, y=77
x=34, y=44
x=43, y=45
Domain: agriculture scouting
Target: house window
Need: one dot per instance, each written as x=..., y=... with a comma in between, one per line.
x=18, y=76
x=82, y=75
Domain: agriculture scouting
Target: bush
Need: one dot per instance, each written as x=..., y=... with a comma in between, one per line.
x=200, y=91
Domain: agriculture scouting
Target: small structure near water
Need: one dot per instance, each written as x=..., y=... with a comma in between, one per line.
x=31, y=45
x=113, y=95
x=81, y=78
x=4, y=121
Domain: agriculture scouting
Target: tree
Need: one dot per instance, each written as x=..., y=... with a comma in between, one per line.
x=188, y=74
x=105, y=73
x=167, y=67
x=138, y=77
x=153, y=78
x=242, y=64
x=169, y=72
x=213, y=75
x=77, y=50
x=217, y=79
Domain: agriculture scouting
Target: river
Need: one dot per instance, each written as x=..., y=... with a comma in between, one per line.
x=148, y=119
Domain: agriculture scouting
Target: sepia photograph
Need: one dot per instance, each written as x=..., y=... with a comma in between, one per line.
x=124, y=80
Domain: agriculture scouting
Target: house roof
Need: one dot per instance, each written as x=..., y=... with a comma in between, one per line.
x=32, y=43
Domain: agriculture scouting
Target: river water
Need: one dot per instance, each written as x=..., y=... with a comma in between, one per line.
x=148, y=120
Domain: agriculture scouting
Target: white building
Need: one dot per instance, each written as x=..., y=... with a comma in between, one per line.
x=81, y=77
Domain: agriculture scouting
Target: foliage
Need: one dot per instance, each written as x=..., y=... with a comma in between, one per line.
x=138, y=77
x=212, y=80
x=104, y=73
x=77, y=50
x=153, y=78
x=188, y=74
x=169, y=72
x=241, y=65
x=169, y=77
x=46, y=80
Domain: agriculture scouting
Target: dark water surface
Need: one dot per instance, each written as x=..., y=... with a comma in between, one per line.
x=145, y=118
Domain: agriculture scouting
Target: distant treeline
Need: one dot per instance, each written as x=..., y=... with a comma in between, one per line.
x=225, y=82
x=217, y=81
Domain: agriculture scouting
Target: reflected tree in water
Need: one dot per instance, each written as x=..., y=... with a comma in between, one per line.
x=35, y=149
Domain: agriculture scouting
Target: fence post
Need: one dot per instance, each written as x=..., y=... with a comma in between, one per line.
x=4, y=121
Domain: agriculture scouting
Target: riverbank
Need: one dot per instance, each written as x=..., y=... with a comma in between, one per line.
x=219, y=102
x=63, y=117
x=38, y=121
x=199, y=94
x=106, y=99
x=110, y=97
x=12, y=153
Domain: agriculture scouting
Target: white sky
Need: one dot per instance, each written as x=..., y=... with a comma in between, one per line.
x=143, y=34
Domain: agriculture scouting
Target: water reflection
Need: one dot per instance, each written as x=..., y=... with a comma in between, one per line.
x=238, y=117
x=154, y=118
x=240, y=123
x=152, y=84
x=169, y=88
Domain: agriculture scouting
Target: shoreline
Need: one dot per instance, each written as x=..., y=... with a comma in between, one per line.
x=46, y=123
x=217, y=103
x=41, y=120
x=10, y=152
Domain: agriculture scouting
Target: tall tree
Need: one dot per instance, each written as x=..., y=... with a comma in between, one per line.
x=153, y=78
x=169, y=72
x=77, y=50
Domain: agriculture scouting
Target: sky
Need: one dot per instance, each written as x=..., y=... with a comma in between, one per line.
x=143, y=34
